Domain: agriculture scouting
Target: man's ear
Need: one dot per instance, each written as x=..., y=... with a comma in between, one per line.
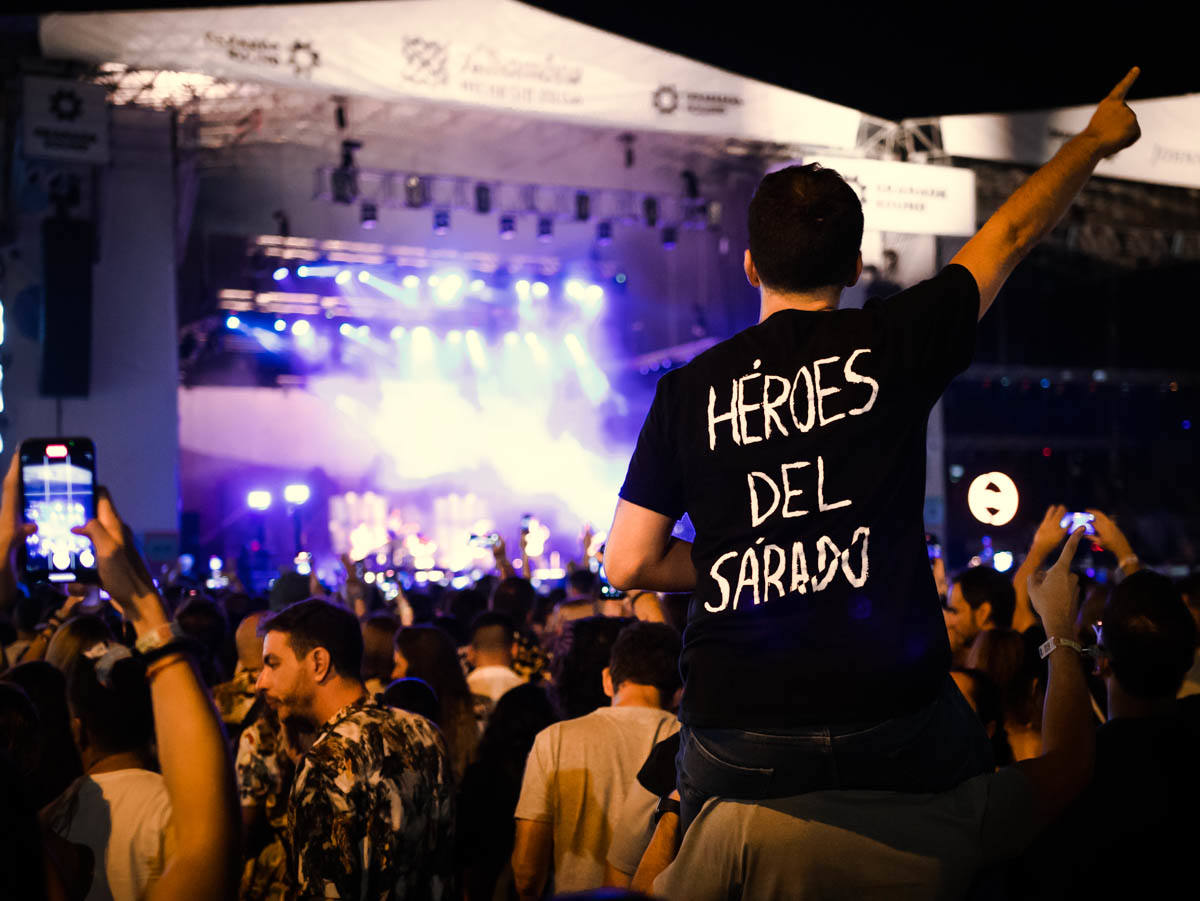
x=857, y=271
x=983, y=614
x=607, y=677
x=469, y=653
x=78, y=733
x=752, y=270
x=321, y=664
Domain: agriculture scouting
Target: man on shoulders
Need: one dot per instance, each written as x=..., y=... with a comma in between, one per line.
x=371, y=808
x=797, y=447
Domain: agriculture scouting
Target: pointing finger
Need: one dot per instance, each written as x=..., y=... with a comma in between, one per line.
x=1068, y=551
x=1123, y=86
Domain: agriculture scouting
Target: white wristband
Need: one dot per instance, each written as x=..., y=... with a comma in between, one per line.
x=1048, y=646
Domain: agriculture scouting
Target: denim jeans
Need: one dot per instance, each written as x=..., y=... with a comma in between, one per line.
x=932, y=750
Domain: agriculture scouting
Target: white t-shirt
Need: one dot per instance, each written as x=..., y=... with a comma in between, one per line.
x=123, y=817
x=576, y=778
x=492, y=681
x=853, y=844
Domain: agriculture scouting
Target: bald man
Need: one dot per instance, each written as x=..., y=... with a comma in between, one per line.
x=235, y=697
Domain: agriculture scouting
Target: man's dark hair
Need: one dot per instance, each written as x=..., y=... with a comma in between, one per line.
x=1148, y=635
x=982, y=584
x=203, y=619
x=580, y=656
x=806, y=228
x=648, y=654
x=583, y=582
x=117, y=716
x=492, y=631
x=319, y=624
x=515, y=596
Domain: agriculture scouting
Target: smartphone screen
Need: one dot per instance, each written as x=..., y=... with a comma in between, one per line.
x=58, y=477
x=1073, y=521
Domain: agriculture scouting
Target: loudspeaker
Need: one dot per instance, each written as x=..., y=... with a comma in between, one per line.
x=68, y=251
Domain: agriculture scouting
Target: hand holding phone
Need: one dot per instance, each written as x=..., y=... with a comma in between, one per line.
x=1073, y=521
x=58, y=495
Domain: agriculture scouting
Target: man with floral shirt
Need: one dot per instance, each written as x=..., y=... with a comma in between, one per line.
x=371, y=811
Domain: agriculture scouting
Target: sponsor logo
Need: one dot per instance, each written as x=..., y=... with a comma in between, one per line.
x=301, y=56
x=424, y=61
x=66, y=105
x=667, y=99
x=488, y=62
x=1171, y=155
x=303, y=59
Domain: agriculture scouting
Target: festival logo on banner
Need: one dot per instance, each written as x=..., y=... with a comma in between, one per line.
x=301, y=56
x=65, y=120
x=667, y=99
x=506, y=77
x=425, y=62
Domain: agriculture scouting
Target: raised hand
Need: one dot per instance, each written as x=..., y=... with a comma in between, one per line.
x=1050, y=532
x=1109, y=536
x=1114, y=124
x=13, y=530
x=123, y=573
x=1054, y=592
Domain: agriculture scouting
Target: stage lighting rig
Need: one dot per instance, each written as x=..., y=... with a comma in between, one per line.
x=583, y=206
x=508, y=226
x=545, y=229
x=604, y=233
x=441, y=222
x=369, y=214
x=344, y=179
x=483, y=198
x=416, y=192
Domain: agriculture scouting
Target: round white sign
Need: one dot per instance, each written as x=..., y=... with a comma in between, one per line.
x=993, y=498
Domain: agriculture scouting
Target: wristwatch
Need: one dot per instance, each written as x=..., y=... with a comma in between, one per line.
x=1048, y=646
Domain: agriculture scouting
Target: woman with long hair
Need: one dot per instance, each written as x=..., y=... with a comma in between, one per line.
x=429, y=653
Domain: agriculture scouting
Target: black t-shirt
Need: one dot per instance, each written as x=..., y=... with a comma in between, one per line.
x=797, y=447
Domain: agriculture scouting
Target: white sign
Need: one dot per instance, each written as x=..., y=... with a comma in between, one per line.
x=909, y=198
x=65, y=120
x=1168, y=152
x=499, y=54
x=993, y=498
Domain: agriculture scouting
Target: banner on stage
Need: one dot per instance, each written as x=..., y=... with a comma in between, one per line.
x=1168, y=152
x=498, y=54
x=65, y=120
x=909, y=198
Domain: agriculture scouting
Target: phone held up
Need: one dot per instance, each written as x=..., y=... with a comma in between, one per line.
x=58, y=493
x=1073, y=521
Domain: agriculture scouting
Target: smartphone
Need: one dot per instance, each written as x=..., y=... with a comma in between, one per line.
x=58, y=492
x=1073, y=521
x=490, y=540
x=526, y=522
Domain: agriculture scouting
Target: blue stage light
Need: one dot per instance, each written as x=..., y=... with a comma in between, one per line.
x=301, y=327
x=232, y=322
x=343, y=277
x=280, y=274
x=280, y=325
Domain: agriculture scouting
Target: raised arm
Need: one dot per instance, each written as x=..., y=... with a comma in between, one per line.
x=1068, y=732
x=640, y=552
x=1037, y=206
x=1045, y=540
x=13, y=531
x=191, y=744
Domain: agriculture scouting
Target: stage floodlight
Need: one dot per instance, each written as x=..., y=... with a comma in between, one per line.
x=343, y=277
x=416, y=191
x=508, y=226
x=364, y=276
x=650, y=211
x=441, y=222
x=280, y=274
x=540, y=290
x=411, y=281
x=280, y=325
x=604, y=233
x=368, y=214
x=233, y=322
x=301, y=327
x=1002, y=561
x=477, y=285
x=522, y=288
x=397, y=332
x=343, y=181
x=297, y=494
x=258, y=499
x=483, y=198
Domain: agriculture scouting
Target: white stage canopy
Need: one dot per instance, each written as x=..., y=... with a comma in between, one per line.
x=1168, y=152
x=494, y=54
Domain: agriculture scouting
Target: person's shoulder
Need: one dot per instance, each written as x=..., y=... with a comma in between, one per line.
x=950, y=279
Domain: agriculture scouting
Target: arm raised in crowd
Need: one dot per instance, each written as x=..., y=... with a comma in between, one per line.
x=1112, y=539
x=191, y=744
x=1037, y=206
x=12, y=532
x=1045, y=540
x=1068, y=732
